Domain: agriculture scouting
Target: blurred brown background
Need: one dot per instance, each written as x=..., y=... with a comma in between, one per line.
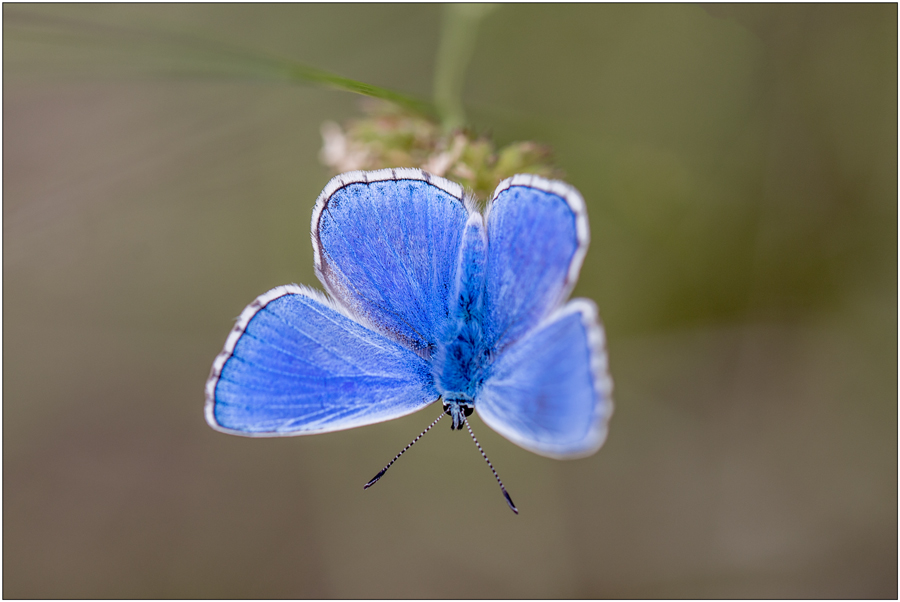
x=740, y=169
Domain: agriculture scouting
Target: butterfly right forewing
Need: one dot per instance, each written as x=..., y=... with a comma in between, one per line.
x=551, y=391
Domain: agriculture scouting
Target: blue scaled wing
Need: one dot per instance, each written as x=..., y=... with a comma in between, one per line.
x=537, y=238
x=550, y=392
x=386, y=245
x=294, y=364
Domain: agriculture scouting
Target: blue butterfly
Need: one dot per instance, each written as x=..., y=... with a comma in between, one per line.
x=429, y=300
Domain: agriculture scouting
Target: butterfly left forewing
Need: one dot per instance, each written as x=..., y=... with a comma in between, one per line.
x=294, y=364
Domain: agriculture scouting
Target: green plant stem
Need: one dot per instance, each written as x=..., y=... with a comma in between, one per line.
x=459, y=32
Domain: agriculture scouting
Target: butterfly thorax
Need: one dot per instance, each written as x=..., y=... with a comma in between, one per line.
x=459, y=374
x=462, y=357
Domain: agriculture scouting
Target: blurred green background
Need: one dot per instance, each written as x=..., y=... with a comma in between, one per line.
x=740, y=169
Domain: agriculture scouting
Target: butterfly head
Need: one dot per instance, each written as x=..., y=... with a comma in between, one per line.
x=459, y=406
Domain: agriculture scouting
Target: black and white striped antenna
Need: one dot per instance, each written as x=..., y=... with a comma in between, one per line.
x=496, y=476
x=380, y=474
x=384, y=470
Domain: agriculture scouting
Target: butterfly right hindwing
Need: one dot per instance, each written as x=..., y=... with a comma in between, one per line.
x=537, y=237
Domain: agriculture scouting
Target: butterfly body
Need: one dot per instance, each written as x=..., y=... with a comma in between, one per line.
x=428, y=300
x=462, y=356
